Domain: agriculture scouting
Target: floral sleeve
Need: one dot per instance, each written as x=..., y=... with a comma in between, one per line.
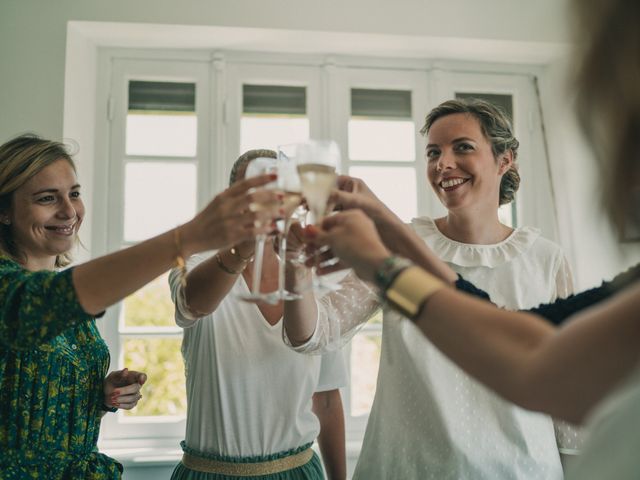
x=35, y=306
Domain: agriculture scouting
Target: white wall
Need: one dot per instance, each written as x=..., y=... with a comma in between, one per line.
x=584, y=229
x=33, y=34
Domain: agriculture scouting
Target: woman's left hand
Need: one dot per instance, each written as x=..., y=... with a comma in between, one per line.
x=122, y=388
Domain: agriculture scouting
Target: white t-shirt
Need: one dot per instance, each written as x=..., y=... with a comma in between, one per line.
x=247, y=393
x=429, y=419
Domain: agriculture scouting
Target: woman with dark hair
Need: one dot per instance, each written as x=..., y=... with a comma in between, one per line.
x=591, y=361
x=53, y=361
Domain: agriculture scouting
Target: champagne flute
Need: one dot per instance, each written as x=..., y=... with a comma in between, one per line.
x=289, y=182
x=259, y=166
x=318, y=162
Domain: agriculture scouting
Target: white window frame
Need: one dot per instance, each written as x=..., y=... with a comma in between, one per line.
x=115, y=427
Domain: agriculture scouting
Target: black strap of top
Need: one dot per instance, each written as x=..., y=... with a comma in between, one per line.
x=558, y=311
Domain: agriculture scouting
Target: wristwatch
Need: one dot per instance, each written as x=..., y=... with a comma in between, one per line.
x=388, y=271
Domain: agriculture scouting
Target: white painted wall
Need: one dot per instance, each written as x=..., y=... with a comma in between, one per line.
x=584, y=229
x=33, y=34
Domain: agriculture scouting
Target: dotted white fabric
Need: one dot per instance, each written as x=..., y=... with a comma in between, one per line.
x=429, y=419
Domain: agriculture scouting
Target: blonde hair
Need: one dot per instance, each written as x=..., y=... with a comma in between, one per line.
x=20, y=159
x=607, y=90
x=496, y=128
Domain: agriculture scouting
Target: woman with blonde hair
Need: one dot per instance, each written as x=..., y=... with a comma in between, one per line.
x=53, y=383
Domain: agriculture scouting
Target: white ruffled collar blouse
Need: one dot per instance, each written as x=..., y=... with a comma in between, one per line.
x=473, y=255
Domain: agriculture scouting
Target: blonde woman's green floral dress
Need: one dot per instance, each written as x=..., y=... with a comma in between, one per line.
x=52, y=365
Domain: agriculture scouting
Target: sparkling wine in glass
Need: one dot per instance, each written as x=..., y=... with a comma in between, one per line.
x=318, y=162
x=259, y=166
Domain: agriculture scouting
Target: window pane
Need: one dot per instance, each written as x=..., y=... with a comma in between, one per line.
x=395, y=186
x=269, y=132
x=164, y=391
x=150, y=306
x=365, y=360
x=161, y=119
x=158, y=197
x=274, y=99
x=273, y=115
x=387, y=140
x=381, y=126
x=380, y=103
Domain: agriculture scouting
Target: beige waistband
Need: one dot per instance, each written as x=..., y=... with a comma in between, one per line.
x=206, y=465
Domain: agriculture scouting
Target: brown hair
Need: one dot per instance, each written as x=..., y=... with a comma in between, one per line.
x=20, y=159
x=496, y=128
x=244, y=159
x=608, y=100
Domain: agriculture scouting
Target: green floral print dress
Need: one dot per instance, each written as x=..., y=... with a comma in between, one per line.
x=52, y=365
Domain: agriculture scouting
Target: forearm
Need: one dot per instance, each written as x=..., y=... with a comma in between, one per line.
x=300, y=316
x=208, y=284
x=328, y=408
x=526, y=361
x=106, y=280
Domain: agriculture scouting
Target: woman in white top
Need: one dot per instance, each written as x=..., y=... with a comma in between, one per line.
x=254, y=406
x=429, y=419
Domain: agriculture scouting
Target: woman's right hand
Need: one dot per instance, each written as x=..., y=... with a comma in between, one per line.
x=236, y=215
x=353, y=238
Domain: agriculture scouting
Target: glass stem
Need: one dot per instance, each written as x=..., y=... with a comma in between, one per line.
x=257, y=264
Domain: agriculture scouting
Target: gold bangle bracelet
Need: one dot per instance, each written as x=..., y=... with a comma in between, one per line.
x=411, y=289
x=225, y=268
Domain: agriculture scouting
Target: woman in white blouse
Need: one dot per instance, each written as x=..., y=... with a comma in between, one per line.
x=254, y=406
x=429, y=419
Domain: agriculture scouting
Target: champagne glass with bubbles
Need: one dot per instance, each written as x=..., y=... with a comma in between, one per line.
x=259, y=166
x=289, y=183
x=317, y=163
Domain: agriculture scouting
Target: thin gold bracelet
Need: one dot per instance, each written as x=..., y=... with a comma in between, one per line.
x=180, y=263
x=224, y=267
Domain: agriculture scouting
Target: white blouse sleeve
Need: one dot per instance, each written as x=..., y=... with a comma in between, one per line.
x=340, y=315
x=183, y=317
x=564, y=278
